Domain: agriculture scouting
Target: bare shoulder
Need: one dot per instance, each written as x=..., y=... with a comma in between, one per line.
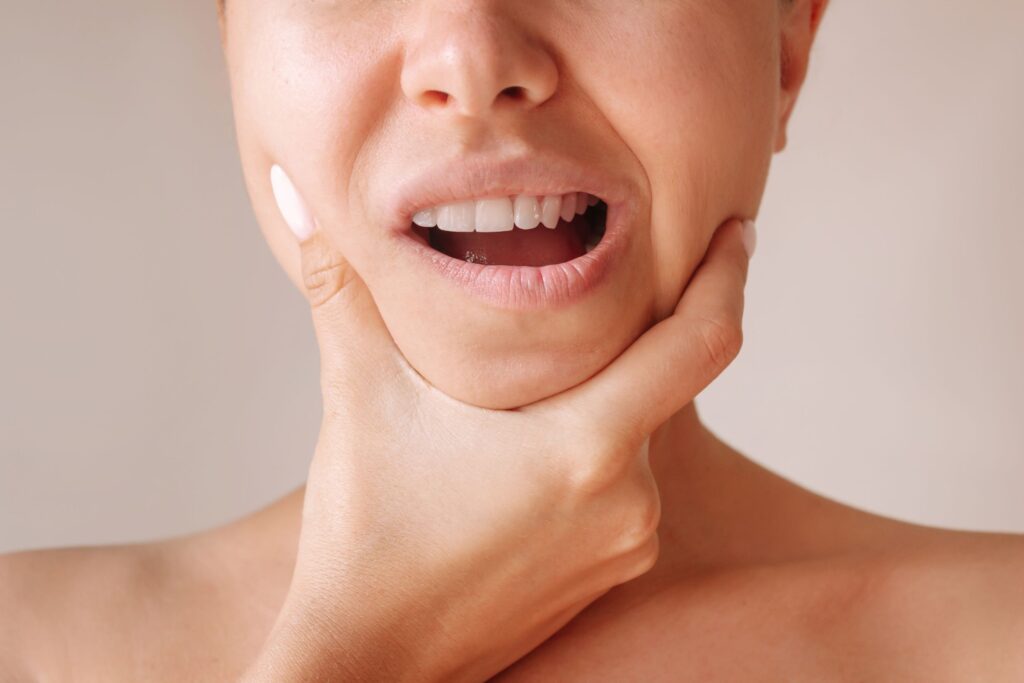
x=937, y=606
x=953, y=601
x=940, y=606
x=158, y=611
x=58, y=603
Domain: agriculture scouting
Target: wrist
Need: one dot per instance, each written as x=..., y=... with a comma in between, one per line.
x=308, y=645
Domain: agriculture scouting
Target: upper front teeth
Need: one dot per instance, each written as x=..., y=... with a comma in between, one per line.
x=501, y=214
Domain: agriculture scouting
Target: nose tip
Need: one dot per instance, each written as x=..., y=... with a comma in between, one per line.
x=474, y=65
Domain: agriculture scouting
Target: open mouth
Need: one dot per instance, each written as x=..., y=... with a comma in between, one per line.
x=521, y=230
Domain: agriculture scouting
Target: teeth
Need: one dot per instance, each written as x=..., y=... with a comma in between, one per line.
x=494, y=215
x=457, y=217
x=549, y=211
x=527, y=212
x=426, y=218
x=568, y=206
x=501, y=214
x=581, y=202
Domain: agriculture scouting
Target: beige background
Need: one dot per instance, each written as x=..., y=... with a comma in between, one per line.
x=158, y=374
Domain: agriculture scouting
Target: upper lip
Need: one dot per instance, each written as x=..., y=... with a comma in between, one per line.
x=535, y=174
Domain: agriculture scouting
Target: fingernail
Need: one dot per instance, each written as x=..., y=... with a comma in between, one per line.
x=290, y=203
x=749, y=237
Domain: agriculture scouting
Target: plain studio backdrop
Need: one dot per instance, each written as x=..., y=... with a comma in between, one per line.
x=158, y=373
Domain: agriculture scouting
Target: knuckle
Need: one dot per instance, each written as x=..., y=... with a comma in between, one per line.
x=643, y=521
x=324, y=273
x=596, y=465
x=722, y=339
x=646, y=556
x=643, y=559
x=602, y=458
x=632, y=514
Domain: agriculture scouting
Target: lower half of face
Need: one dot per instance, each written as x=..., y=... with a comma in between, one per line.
x=664, y=121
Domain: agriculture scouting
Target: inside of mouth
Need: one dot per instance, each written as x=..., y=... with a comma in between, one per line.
x=539, y=246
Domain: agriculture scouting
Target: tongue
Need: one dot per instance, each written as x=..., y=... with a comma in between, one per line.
x=538, y=247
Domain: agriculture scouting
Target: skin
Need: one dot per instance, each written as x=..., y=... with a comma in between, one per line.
x=716, y=69
x=757, y=579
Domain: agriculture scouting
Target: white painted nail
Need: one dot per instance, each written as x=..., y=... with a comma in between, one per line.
x=750, y=237
x=291, y=205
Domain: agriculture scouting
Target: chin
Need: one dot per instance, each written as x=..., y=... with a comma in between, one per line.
x=502, y=361
x=507, y=389
x=507, y=381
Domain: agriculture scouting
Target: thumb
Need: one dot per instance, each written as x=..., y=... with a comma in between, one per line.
x=676, y=359
x=353, y=339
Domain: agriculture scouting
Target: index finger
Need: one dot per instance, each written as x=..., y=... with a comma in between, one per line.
x=355, y=345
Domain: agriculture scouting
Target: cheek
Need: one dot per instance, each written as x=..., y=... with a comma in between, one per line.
x=693, y=94
x=302, y=102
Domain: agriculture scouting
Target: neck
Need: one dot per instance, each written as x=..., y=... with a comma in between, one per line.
x=677, y=443
x=699, y=481
x=692, y=469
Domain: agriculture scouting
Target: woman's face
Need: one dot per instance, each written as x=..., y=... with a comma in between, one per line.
x=669, y=110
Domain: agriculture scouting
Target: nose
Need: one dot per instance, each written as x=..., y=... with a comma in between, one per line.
x=466, y=57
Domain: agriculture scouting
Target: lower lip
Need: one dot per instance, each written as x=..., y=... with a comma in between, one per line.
x=531, y=287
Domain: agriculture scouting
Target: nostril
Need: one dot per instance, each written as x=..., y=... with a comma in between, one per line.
x=515, y=93
x=435, y=98
x=441, y=100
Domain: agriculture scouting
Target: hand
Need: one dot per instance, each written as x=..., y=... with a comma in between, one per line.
x=441, y=541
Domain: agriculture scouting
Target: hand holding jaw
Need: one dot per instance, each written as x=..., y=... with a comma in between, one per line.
x=442, y=541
